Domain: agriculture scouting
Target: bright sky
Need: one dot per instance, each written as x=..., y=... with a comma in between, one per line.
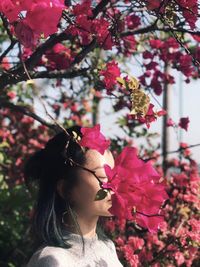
x=190, y=105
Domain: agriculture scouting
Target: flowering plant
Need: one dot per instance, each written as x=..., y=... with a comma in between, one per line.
x=94, y=139
x=138, y=189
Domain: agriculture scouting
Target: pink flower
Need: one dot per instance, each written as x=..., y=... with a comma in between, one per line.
x=25, y=34
x=100, y=28
x=87, y=28
x=11, y=94
x=135, y=242
x=133, y=21
x=156, y=43
x=150, y=117
x=110, y=74
x=83, y=8
x=129, y=256
x=129, y=44
x=5, y=64
x=43, y=17
x=179, y=258
x=59, y=57
x=152, y=4
x=183, y=123
x=170, y=122
x=136, y=186
x=94, y=139
x=9, y=9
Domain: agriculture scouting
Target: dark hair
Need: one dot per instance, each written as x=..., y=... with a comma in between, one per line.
x=42, y=170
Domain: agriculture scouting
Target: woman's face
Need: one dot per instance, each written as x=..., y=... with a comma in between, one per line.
x=85, y=191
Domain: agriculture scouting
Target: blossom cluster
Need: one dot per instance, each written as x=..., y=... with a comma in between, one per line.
x=138, y=191
x=177, y=241
x=33, y=18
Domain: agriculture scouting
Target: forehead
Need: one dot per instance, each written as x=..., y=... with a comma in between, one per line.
x=95, y=159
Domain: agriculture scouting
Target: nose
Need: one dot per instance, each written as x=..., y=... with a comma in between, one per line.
x=110, y=193
x=106, y=180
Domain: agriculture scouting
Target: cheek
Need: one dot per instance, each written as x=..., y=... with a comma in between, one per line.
x=87, y=190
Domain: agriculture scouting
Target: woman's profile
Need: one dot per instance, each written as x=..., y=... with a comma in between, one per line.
x=67, y=214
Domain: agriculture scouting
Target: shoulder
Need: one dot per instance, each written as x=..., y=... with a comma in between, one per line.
x=49, y=256
x=111, y=252
x=110, y=244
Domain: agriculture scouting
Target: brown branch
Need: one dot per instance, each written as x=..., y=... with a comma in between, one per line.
x=9, y=48
x=99, y=7
x=153, y=27
x=84, y=52
x=162, y=251
x=172, y=152
x=12, y=40
x=6, y=26
x=17, y=73
x=13, y=79
x=35, y=57
x=26, y=111
x=58, y=74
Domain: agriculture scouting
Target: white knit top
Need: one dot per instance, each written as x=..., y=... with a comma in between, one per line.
x=98, y=253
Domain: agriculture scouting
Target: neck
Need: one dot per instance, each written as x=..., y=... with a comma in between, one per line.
x=86, y=223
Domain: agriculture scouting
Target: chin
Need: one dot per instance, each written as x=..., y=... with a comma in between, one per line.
x=106, y=214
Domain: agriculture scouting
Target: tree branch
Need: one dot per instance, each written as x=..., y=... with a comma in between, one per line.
x=153, y=27
x=26, y=111
x=6, y=26
x=18, y=74
x=99, y=7
x=84, y=52
x=58, y=74
x=12, y=40
x=11, y=79
x=10, y=47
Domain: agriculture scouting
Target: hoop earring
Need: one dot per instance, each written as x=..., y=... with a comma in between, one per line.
x=64, y=213
x=71, y=212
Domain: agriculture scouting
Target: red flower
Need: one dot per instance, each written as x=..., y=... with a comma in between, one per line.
x=43, y=17
x=94, y=139
x=191, y=13
x=153, y=4
x=100, y=28
x=11, y=94
x=83, y=8
x=25, y=34
x=10, y=10
x=5, y=64
x=156, y=43
x=136, y=186
x=150, y=116
x=133, y=21
x=135, y=242
x=129, y=44
x=86, y=29
x=59, y=57
x=170, y=122
x=129, y=256
x=110, y=74
x=183, y=123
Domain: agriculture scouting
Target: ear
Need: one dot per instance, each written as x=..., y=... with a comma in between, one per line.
x=60, y=188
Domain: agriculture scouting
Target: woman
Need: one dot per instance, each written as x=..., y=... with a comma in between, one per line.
x=69, y=208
